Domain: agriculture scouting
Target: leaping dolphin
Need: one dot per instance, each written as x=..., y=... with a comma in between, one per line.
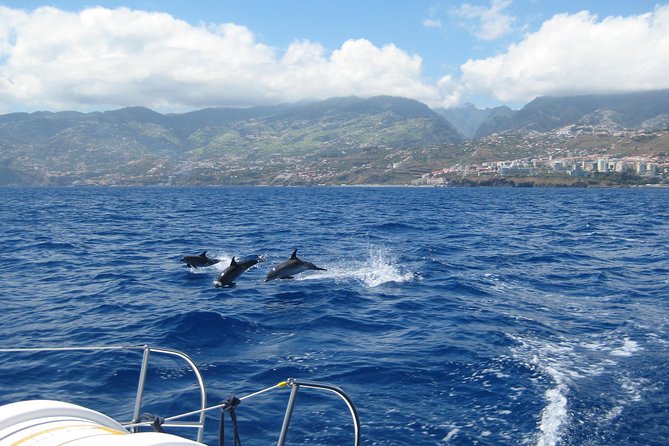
x=233, y=271
x=288, y=268
x=199, y=261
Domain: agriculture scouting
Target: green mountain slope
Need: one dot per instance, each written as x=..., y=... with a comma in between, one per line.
x=72, y=146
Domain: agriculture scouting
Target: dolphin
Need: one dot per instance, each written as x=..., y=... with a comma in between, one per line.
x=288, y=268
x=233, y=271
x=199, y=261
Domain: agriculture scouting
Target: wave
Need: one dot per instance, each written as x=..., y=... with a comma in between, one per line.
x=338, y=324
x=396, y=227
x=198, y=329
x=57, y=246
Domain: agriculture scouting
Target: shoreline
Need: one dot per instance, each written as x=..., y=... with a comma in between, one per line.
x=452, y=185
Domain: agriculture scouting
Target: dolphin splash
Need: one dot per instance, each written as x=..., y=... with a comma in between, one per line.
x=289, y=268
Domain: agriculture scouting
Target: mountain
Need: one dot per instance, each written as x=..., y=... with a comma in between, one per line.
x=499, y=119
x=345, y=140
x=641, y=110
x=465, y=119
x=136, y=142
x=333, y=123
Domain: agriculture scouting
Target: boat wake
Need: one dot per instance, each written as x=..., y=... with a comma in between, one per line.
x=567, y=368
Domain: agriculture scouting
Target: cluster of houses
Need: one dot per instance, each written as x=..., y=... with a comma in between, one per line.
x=577, y=166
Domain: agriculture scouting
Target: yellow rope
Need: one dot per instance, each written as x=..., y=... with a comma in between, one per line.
x=70, y=427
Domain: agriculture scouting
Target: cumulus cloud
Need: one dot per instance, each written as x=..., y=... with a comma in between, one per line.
x=490, y=23
x=578, y=54
x=357, y=68
x=103, y=58
x=116, y=57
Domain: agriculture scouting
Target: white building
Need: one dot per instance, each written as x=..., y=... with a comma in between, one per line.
x=602, y=165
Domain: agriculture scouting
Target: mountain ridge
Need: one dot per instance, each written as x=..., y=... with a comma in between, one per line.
x=338, y=140
x=69, y=145
x=546, y=113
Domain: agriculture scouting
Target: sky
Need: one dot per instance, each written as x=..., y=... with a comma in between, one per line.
x=178, y=55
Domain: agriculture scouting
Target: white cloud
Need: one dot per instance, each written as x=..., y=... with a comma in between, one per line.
x=122, y=57
x=432, y=23
x=357, y=68
x=492, y=23
x=578, y=54
x=102, y=57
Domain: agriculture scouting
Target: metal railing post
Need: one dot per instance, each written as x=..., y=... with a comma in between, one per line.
x=140, y=387
x=200, y=381
x=337, y=391
x=289, y=413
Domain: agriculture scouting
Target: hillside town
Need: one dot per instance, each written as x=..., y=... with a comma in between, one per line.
x=562, y=153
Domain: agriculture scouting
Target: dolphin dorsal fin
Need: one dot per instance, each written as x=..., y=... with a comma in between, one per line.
x=294, y=254
x=204, y=254
x=233, y=262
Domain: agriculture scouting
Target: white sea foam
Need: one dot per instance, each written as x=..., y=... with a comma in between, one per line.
x=549, y=358
x=628, y=348
x=612, y=414
x=377, y=268
x=566, y=362
x=453, y=432
x=632, y=392
x=554, y=416
x=224, y=262
x=633, y=387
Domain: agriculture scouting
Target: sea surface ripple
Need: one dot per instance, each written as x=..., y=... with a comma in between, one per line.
x=450, y=316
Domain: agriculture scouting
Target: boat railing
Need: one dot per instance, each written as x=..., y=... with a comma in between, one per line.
x=201, y=412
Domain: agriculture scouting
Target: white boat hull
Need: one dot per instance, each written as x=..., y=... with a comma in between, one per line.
x=55, y=423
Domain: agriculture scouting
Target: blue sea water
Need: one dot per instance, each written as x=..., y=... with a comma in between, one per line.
x=449, y=316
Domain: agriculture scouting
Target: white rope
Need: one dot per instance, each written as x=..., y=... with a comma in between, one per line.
x=208, y=409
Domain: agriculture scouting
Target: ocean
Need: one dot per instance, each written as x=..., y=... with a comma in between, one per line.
x=449, y=316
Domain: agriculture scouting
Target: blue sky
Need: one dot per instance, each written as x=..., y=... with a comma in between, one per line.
x=175, y=55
